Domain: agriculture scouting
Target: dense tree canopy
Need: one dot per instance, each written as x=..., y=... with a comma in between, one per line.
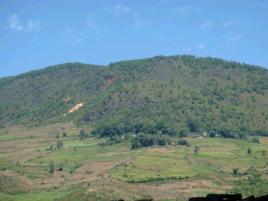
x=174, y=96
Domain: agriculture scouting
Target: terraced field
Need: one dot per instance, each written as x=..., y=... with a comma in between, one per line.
x=35, y=167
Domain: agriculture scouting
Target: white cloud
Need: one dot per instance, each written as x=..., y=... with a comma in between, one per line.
x=187, y=9
x=14, y=23
x=201, y=45
x=118, y=9
x=212, y=24
x=91, y=23
x=186, y=50
x=141, y=23
x=121, y=8
x=207, y=24
x=33, y=25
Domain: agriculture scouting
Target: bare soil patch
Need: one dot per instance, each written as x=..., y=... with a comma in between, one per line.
x=91, y=171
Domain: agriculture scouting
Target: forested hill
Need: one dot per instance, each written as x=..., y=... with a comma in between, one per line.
x=167, y=95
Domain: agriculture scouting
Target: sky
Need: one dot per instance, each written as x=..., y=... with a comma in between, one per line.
x=38, y=33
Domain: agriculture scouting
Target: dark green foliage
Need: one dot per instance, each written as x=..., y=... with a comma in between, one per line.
x=253, y=184
x=196, y=149
x=263, y=152
x=158, y=180
x=64, y=134
x=83, y=134
x=235, y=171
x=183, y=142
x=173, y=95
x=119, y=129
x=51, y=167
x=255, y=140
x=249, y=151
x=59, y=144
x=114, y=140
x=51, y=148
x=147, y=140
x=212, y=134
x=193, y=125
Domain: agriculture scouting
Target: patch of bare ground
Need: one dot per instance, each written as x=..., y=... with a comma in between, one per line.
x=118, y=189
x=23, y=150
x=76, y=107
x=163, y=191
x=109, y=82
x=264, y=140
x=160, y=150
x=41, y=132
x=173, y=190
x=91, y=171
x=227, y=148
x=13, y=182
x=54, y=180
x=29, y=143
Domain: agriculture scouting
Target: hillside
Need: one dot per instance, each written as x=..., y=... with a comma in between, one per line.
x=175, y=95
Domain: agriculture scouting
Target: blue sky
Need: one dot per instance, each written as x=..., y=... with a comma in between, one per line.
x=39, y=33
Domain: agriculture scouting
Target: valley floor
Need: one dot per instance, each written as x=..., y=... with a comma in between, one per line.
x=51, y=163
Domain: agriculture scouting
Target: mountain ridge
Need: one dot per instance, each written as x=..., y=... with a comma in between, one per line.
x=127, y=60
x=164, y=90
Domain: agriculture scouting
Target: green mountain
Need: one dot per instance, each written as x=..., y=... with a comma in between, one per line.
x=174, y=95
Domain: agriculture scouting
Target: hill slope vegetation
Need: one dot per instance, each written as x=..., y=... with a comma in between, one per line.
x=175, y=95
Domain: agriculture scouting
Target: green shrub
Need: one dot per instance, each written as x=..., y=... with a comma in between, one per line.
x=255, y=140
x=147, y=140
x=196, y=149
x=51, y=167
x=183, y=142
x=235, y=171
